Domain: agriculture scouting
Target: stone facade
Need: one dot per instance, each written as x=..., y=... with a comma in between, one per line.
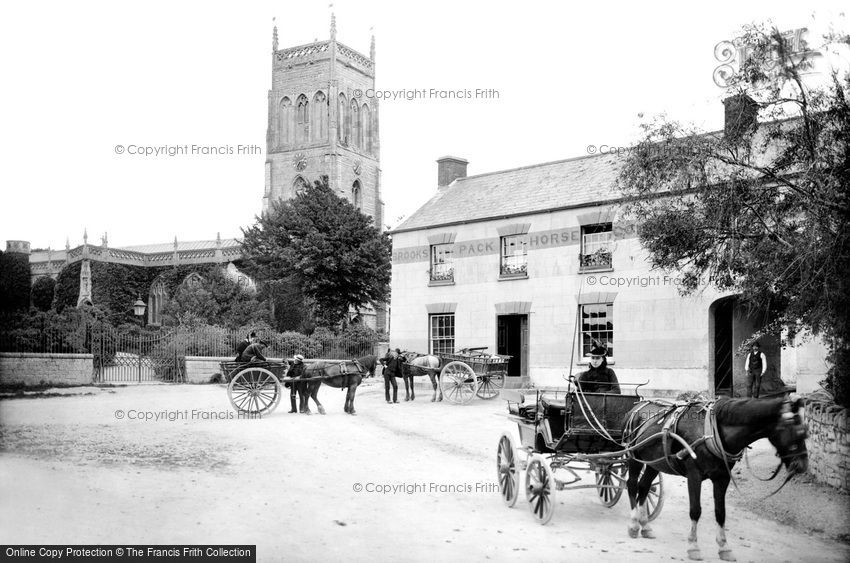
x=829, y=444
x=544, y=257
x=46, y=369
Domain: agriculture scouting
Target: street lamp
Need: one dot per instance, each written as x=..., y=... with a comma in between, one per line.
x=139, y=308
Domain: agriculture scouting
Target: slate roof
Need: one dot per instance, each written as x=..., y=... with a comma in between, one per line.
x=181, y=246
x=59, y=255
x=530, y=189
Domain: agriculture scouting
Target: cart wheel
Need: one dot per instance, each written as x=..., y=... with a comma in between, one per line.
x=254, y=390
x=458, y=383
x=539, y=489
x=490, y=386
x=610, y=482
x=655, y=498
x=506, y=465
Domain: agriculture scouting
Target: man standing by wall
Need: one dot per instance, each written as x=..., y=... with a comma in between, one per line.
x=755, y=365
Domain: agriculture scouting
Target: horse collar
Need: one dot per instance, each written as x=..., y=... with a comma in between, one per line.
x=712, y=436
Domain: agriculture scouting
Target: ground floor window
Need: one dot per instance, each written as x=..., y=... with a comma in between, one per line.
x=442, y=333
x=597, y=327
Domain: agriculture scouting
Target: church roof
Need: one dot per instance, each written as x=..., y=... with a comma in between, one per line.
x=181, y=246
x=574, y=182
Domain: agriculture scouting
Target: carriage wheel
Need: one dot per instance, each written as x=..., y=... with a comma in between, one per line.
x=506, y=465
x=539, y=489
x=254, y=390
x=491, y=384
x=458, y=382
x=610, y=482
x=655, y=498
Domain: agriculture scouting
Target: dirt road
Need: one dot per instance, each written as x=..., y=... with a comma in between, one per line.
x=407, y=482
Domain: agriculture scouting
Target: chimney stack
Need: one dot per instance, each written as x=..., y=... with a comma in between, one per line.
x=449, y=169
x=741, y=115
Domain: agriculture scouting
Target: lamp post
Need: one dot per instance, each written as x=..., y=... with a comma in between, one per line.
x=139, y=310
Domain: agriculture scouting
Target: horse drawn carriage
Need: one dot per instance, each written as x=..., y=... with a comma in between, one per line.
x=254, y=388
x=462, y=375
x=562, y=431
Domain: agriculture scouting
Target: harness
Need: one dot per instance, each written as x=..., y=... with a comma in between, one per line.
x=669, y=419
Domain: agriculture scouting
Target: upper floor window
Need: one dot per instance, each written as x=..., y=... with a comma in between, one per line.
x=597, y=327
x=442, y=263
x=514, y=255
x=597, y=243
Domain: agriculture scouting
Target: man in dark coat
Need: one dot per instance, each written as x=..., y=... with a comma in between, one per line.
x=599, y=378
x=254, y=352
x=392, y=369
x=244, y=344
x=297, y=370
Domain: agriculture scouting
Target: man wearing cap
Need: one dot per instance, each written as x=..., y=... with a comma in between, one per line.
x=296, y=370
x=599, y=378
x=392, y=369
x=244, y=344
x=254, y=352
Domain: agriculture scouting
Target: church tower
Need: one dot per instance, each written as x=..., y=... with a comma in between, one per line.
x=323, y=122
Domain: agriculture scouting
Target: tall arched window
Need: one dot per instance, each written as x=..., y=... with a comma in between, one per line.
x=354, y=119
x=319, y=120
x=366, y=120
x=156, y=300
x=302, y=119
x=284, y=123
x=357, y=195
x=342, y=120
x=299, y=185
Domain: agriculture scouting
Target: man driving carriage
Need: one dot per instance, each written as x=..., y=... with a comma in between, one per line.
x=599, y=378
x=253, y=352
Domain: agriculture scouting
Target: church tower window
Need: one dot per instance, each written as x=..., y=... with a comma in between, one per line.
x=319, y=120
x=357, y=195
x=285, y=123
x=302, y=119
x=366, y=119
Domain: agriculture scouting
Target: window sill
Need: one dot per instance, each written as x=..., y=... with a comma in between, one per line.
x=595, y=269
x=518, y=276
x=437, y=283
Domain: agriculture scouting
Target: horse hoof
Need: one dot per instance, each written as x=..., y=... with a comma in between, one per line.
x=633, y=532
x=694, y=555
x=726, y=555
x=433, y=399
x=322, y=411
x=648, y=534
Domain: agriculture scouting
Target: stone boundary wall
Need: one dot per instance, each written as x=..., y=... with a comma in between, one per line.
x=829, y=444
x=46, y=369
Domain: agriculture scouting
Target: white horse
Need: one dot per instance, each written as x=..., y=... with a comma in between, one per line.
x=420, y=365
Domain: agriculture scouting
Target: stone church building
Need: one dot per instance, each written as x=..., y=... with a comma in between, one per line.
x=319, y=124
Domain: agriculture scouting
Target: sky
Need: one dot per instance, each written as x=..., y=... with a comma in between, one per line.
x=81, y=78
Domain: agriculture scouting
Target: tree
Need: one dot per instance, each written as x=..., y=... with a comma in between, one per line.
x=327, y=247
x=42, y=293
x=14, y=282
x=762, y=210
x=217, y=300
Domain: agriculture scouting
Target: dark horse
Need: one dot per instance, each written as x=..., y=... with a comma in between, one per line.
x=369, y=363
x=340, y=375
x=716, y=434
